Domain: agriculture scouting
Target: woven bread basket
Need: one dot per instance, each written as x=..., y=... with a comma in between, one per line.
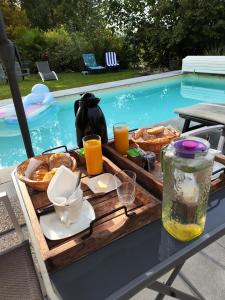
x=38, y=185
x=156, y=142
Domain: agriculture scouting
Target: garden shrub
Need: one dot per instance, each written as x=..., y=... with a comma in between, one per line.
x=82, y=45
x=105, y=40
x=60, y=49
x=64, y=50
x=31, y=44
x=215, y=50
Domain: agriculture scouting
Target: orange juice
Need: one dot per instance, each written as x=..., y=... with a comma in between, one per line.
x=93, y=156
x=121, y=140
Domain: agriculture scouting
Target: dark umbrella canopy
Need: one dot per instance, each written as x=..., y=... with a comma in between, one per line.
x=8, y=56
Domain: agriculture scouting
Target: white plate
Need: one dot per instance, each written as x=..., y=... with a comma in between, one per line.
x=53, y=229
x=103, y=183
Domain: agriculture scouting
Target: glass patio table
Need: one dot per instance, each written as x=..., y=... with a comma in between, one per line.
x=126, y=266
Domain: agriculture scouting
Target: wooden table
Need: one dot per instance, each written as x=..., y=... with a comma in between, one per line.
x=131, y=263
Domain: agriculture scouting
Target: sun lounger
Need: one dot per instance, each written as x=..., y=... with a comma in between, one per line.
x=45, y=72
x=206, y=115
x=111, y=60
x=20, y=72
x=90, y=63
x=204, y=64
x=17, y=273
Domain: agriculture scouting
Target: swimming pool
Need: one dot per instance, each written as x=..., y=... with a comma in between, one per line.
x=138, y=104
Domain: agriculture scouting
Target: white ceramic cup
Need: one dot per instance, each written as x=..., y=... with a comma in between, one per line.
x=69, y=212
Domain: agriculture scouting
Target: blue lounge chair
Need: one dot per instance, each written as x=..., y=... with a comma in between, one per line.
x=111, y=60
x=90, y=63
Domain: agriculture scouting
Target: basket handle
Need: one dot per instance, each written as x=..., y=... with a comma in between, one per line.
x=63, y=146
x=129, y=215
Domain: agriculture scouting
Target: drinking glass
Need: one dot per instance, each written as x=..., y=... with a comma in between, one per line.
x=125, y=190
x=121, y=137
x=93, y=154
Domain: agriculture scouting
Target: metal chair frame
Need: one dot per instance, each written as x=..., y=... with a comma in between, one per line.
x=5, y=200
x=45, y=281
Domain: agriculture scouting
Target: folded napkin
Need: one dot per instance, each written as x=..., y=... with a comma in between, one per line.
x=32, y=166
x=61, y=190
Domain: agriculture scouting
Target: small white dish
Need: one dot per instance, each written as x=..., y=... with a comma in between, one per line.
x=53, y=229
x=103, y=183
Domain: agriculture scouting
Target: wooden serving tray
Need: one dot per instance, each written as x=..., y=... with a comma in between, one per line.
x=219, y=182
x=57, y=254
x=151, y=181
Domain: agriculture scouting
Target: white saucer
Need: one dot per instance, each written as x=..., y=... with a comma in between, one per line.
x=103, y=183
x=53, y=229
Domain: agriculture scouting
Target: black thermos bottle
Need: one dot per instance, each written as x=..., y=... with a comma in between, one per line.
x=89, y=118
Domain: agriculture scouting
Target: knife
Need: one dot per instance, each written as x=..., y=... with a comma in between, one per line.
x=50, y=208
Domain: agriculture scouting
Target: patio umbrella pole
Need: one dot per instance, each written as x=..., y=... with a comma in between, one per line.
x=7, y=55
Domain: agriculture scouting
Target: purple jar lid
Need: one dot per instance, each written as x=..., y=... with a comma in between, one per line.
x=188, y=148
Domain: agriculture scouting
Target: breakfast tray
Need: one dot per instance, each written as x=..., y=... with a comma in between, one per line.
x=152, y=181
x=220, y=181
x=111, y=223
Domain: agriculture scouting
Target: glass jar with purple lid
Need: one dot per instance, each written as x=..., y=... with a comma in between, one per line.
x=187, y=167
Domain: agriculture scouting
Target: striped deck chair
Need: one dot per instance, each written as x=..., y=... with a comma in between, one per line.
x=111, y=60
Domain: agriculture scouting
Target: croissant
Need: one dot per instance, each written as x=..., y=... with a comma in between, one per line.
x=156, y=130
x=58, y=159
x=48, y=176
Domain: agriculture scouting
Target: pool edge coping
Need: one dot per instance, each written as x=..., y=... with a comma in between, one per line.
x=113, y=84
x=106, y=85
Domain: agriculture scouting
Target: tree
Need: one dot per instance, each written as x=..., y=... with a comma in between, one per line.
x=15, y=18
x=75, y=15
x=125, y=15
x=163, y=30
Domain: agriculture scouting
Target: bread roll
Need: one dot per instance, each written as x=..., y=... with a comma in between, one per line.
x=58, y=159
x=155, y=130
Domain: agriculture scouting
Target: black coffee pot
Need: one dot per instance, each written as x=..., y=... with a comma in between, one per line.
x=89, y=118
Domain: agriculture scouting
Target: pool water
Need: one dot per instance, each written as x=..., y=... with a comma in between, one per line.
x=138, y=105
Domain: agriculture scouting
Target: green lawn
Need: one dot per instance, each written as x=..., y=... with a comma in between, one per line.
x=67, y=80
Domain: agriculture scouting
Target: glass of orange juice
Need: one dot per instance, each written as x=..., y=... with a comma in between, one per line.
x=121, y=137
x=93, y=154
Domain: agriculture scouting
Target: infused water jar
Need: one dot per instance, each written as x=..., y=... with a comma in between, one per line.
x=187, y=167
